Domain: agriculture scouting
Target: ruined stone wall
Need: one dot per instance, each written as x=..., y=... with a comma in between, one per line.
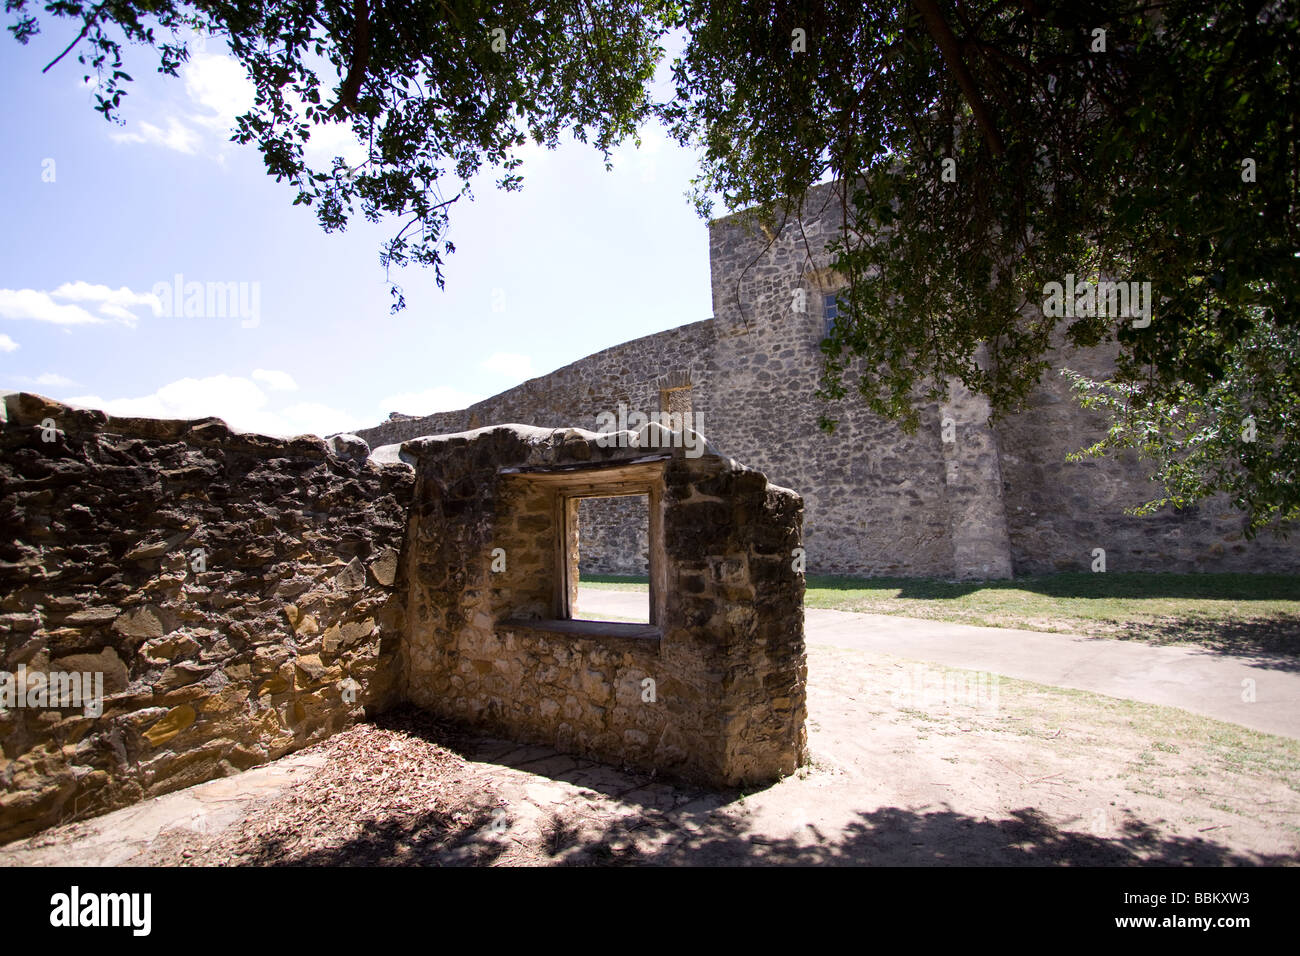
x=629, y=374
x=238, y=593
x=725, y=655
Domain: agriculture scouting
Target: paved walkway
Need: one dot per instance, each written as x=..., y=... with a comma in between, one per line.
x=1191, y=678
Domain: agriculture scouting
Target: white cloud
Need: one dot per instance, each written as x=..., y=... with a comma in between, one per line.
x=219, y=85
x=509, y=365
x=81, y=291
x=177, y=136
x=54, y=380
x=441, y=398
x=7, y=344
x=274, y=380
x=40, y=305
x=218, y=91
x=328, y=140
x=31, y=304
x=237, y=400
x=114, y=303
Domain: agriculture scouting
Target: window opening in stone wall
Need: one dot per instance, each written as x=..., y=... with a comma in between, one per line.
x=830, y=311
x=613, y=559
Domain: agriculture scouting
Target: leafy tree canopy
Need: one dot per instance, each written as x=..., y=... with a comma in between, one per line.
x=432, y=89
x=1100, y=139
x=982, y=150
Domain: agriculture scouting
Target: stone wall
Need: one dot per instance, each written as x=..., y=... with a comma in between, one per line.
x=712, y=690
x=1059, y=511
x=613, y=535
x=995, y=499
x=239, y=595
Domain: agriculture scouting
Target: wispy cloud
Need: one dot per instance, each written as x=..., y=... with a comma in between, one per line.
x=217, y=92
x=219, y=87
x=53, y=380
x=441, y=398
x=275, y=380
x=40, y=306
x=177, y=136
x=7, y=344
x=238, y=400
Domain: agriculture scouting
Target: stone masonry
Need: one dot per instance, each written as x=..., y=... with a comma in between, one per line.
x=237, y=597
x=711, y=690
x=997, y=499
x=238, y=593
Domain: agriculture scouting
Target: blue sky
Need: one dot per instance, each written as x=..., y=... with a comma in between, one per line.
x=97, y=214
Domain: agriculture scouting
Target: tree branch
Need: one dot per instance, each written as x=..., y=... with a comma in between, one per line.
x=360, y=59
x=951, y=50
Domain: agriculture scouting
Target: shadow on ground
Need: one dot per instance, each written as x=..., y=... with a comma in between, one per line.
x=653, y=823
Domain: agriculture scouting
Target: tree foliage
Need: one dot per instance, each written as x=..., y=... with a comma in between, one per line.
x=1104, y=139
x=1132, y=140
x=433, y=90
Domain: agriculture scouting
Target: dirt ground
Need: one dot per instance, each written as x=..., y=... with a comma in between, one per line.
x=913, y=764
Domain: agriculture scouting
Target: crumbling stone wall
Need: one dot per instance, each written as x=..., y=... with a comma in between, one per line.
x=244, y=596
x=724, y=656
x=240, y=595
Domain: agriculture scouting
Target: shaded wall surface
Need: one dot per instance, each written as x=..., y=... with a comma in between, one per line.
x=237, y=594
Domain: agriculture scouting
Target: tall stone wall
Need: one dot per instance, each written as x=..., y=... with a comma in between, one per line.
x=980, y=500
x=613, y=536
x=574, y=395
x=1058, y=512
x=237, y=593
x=876, y=498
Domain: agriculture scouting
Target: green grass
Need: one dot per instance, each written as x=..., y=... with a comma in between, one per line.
x=1233, y=613
x=1244, y=613
x=614, y=582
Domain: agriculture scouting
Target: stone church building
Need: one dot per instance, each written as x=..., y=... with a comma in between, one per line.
x=995, y=501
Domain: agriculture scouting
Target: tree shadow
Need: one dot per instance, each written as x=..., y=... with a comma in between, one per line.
x=898, y=836
x=665, y=823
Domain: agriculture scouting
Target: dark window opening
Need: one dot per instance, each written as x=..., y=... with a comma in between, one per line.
x=830, y=311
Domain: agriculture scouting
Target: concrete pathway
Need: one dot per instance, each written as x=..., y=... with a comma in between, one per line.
x=1192, y=678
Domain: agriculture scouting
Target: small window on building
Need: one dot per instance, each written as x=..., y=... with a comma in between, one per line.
x=830, y=311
